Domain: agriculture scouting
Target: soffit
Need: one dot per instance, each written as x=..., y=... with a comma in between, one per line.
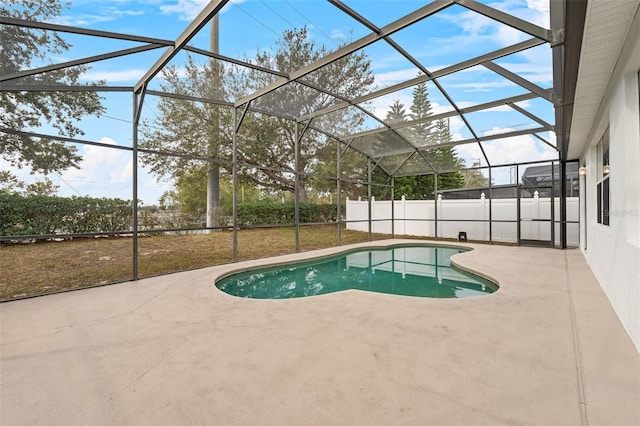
x=607, y=24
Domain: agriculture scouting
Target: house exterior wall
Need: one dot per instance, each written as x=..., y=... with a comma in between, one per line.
x=613, y=252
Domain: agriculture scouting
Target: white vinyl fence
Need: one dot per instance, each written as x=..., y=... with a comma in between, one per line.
x=417, y=217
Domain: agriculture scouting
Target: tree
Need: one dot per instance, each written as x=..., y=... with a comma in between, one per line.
x=426, y=136
x=197, y=128
x=396, y=113
x=190, y=190
x=422, y=133
x=473, y=178
x=23, y=48
x=441, y=132
x=270, y=140
x=265, y=142
x=10, y=184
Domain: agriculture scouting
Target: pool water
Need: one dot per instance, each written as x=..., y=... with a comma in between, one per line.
x=409, y=270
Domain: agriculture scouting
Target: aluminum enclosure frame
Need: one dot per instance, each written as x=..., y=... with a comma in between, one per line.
x=554, y=37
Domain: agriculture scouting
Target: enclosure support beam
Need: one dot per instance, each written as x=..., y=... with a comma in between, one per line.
x=77, y=62
x=558, y=19
x=296, y=214
x=518, y=47
x=401, y=164
x=369, y=169
x=518, y=212
x=553, y=206
x=563, y=204
x=5, y=20
x=339, y=197
x=62, y=138
x=365, y=41
x=436, y=117
x=346, y=147
x=490, y=208
x=531, y=116
x=543, y=140
x=411, y=59
x=300, y=135
x=411, y=149
x=63, y=88
x=134, y=239
x=238, y=121
x=484, y=154
x=533, y=88
x=234, y=172
x=505, y=18
x=564, y=88
x=138, y=111
x=210, y=10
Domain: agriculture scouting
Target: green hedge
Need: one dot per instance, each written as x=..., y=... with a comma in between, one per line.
x=267, y=213
x=46, y=215
x=40, y=215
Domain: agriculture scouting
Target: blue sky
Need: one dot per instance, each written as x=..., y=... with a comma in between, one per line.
x=251, y=25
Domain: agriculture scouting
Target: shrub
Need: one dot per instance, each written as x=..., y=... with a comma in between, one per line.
x=41, y=215
x=269, y=213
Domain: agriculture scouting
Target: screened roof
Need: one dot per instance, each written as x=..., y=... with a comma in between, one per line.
x=488, y=68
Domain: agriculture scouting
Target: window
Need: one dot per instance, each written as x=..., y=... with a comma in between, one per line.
x=602, y=152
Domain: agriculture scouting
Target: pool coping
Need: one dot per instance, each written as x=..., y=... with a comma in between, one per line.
x=313, y=255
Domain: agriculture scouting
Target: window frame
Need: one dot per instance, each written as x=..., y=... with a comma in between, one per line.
x=603, y=193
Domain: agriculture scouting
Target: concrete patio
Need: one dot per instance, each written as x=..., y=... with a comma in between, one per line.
x=547, y=348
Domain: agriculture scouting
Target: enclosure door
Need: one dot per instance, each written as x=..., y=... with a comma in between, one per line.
x=535, y=213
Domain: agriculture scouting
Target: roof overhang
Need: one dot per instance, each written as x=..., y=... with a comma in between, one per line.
x=606, y=26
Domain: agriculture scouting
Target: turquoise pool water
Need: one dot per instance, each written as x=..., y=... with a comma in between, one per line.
x=409, y=270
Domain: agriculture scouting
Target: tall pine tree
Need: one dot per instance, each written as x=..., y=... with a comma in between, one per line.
x=423, y=135
x=397, y=113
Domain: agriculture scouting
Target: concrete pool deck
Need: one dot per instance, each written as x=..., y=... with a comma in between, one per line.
x=547, y=348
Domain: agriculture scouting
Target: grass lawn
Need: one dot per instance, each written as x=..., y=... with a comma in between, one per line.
x=48, y=267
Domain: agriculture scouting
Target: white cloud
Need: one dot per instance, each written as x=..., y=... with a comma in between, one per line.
x=338, y=34
x=481, y=86
x=82, y=20
x=516, y=149
x=396, y=76
x=103, y=172
x=189, y=9
x=113, y=76
x=501, y=108
x=185, y=9
x=85, y=19
x=506, y=151
x=497, y=131
x=121, y=12
x=536, y=70
x=475, y=25
x=542, y=8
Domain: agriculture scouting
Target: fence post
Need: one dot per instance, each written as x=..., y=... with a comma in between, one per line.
x=438, y=223
x=346, y=214
x=536, y=204
x=393, y=209
x=373, y=214
x=404, y=214
x=483, y=203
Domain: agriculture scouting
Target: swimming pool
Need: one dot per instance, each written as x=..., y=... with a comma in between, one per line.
x=409, y=270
